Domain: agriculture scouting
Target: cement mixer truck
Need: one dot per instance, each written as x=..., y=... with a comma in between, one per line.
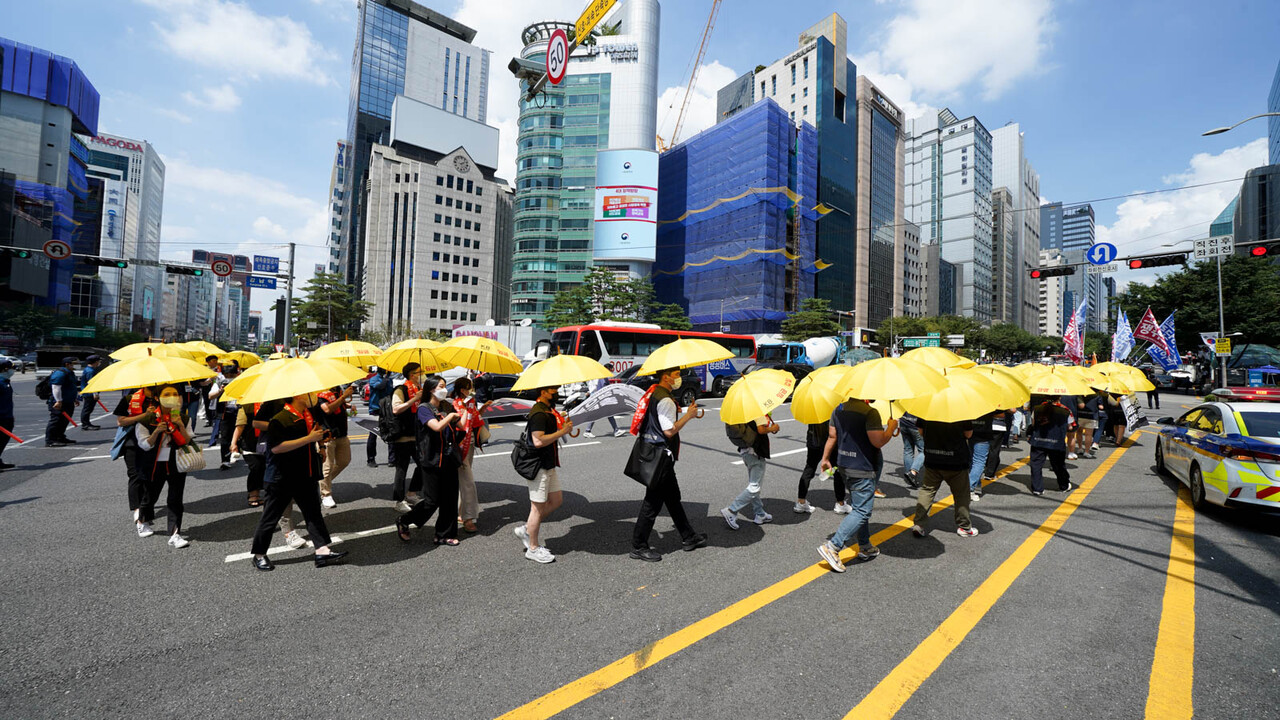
x=815, y=352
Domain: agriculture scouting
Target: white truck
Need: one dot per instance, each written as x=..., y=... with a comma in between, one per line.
x=815, y=352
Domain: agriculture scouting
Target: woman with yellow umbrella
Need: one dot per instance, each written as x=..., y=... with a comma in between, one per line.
x=746, y=415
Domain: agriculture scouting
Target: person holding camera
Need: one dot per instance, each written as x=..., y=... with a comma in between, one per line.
x=437, y=454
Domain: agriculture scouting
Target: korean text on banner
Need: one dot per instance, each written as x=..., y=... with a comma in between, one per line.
x=626, y=205
x=594, y=13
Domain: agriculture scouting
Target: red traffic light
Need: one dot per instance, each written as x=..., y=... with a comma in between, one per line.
x=1258, y=250
x=1035, y=274
x=1157, y=261
x=1135, y=264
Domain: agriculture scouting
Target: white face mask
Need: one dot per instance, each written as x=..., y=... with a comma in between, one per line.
x=171, y=402
x=676, y=385
x=441, y=393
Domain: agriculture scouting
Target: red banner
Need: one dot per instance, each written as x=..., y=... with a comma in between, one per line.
x=1148, y=329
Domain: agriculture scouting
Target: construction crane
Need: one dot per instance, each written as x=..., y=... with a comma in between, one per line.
x=693, y=78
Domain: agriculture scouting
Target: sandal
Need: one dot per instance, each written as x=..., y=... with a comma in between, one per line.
x=402, y=530
x=451, y=542
x=470, y=526
x=254, y=500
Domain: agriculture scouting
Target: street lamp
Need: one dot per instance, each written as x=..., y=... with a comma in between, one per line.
x=1220, y=130
x=732, y=302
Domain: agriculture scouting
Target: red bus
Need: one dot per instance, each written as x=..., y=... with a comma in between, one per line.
x=619, y=345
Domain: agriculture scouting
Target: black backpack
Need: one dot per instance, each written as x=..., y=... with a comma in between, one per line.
x=44, y=388
x=388, y=423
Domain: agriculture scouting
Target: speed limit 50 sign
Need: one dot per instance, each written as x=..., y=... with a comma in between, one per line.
x=557, y=56
x=221, y=268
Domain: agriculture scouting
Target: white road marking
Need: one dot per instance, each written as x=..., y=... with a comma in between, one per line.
x=775, y=455
x=334, y=540
x=562, y=447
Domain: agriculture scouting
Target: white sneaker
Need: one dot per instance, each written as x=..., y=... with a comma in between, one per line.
x=803, y=507
x=136, y=514
x=1095, y=447
x=403, y=506
x=967, y=532
x=832, y=557
x=540, y=555
x=763, y=518
x=843, y=508
x=587, y=435
x=730, y=518
x=522, y=532
x=868, y=552
x=620, y=433
x=144, y=530
x=178, y=541
x=328, y=501
x=294, y=540
x=1072, y=456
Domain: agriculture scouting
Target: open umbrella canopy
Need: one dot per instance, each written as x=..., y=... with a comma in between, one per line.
x=352, y=352
x=151, y=349
x=817, y=395
x=419, y=350
x=891, y=379
x=243, y=358
x=1111, y=384
x=481, y=354
x=149, y=371
x=1027, y=369
x=290, y=377
x=560, y=370
x=755, y=395
x=1014, y=393
x=968, y=396
x=937, y=358
x=201, y=349
x=1053, y=381
x=684, y=353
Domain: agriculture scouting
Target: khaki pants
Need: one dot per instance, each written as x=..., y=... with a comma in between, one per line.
x=337, y=455
x=468, y=503
x=957, y=480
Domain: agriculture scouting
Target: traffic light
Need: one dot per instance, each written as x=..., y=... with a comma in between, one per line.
x=1041, y=273
x=1269, y=250
x=105, y=262
x=17, y=252
x=179, y=270
x=1151, y=261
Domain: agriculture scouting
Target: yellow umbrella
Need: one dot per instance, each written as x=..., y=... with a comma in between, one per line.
x=419, y=350
x=891, y=379
x=818, y=394
x=968, y=396
x=684, y=353
x=755, y=395
x=560, y=370
x=481, y=354
x=352, y=352
x=1113, y=368
x=1054, y=382
x=937, y=358
x=147, y=372
x=150, y=349
x=1014, y=393
x=1111, y=384
x=201, y=349
x=243, y=358
x=887, y=409
x=1028, y=368
x=290, y=377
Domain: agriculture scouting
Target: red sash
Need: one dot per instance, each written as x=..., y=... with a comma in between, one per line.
x=307, y=418
x=411, y=391
x=138, y=403
x=643, y=406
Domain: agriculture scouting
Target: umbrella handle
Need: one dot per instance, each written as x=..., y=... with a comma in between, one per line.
x=699, y=412
x=575, y=433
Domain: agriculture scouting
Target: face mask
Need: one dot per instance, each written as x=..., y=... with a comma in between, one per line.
x=440, y=393
x=172, y=403
x=6, y=374
x=676, y=385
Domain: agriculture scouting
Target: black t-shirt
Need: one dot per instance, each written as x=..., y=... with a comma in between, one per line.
x=297, y=465
x=945, y=446
x=1049, y=427
x=982, y=427
x=122, y=410
x=541, y=420
x=335, y=422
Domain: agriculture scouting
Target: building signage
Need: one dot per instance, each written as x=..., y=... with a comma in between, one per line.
x=120, y=144
x=258, y=281
x=591, y=16
x=266, y=264
x=626, y=205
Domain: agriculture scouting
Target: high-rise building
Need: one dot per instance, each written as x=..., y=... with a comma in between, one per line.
x=911, y=263
x=816, y=83
x=1052, y=295
x=337, y=204
x=1011, y=169
x=607, y=100
x=947, y=188
x=742, y=265
x=1005, y=267
x=402, y=48
x=879, y=292
x=1072, y=230
x=45, y=194
x=1257, y=212
x=131, y=296
x=1273, y=122
x=942, y=291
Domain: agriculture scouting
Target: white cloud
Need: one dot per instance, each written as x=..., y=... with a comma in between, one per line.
x=218, y=99
x=1146, y=224
x=263, y=227
x=174, y=115
x=232, y=37
x=701, y=112
x=892, y=84
x=234, y=185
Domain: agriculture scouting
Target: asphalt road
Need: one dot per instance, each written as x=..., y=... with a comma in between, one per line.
x=1056, y=610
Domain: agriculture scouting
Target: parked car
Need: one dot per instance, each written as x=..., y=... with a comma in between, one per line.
x=1227, y=453
x=689, y=384
x=20, y=362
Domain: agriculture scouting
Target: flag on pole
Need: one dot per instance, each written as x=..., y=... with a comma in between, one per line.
x=1073, y=342
x=1148, y=329
x=1122, y=341
x=1081, y=313
x=1167, y=360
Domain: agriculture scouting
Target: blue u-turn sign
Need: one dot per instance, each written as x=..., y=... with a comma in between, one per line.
x=1101, y=253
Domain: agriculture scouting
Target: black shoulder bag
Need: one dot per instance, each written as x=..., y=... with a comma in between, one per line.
x=648, y=461
x=524, y=456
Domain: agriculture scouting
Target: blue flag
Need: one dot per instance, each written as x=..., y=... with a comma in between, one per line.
x=1169, y=361
x=1122, y=342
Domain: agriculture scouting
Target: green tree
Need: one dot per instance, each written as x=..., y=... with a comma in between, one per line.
x=388, y=334
x=813, y=319
x=1097, y=344
x=669, y=316
x=603, y=296
x=897, y=327
x=330, y=305
x=29, y=322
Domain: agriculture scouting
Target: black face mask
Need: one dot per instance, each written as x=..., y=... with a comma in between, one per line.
x=555, y=399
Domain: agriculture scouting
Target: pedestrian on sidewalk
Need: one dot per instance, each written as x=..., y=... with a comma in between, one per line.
x=332, y=411
x=1049, y=423
x=470, y=420
x=158, y=440
x=545, y=427
x=853, y=446
x=946, y=460
x=379, y=387
x=6, y=407
x=65, y=388
x=912, y=450
x=437, y=451
x=405, y=401
x=815, y=443
x=752, y=442
x=660, y=424
x=90, y=402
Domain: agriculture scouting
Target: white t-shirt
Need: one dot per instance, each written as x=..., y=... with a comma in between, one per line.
x=667, y=414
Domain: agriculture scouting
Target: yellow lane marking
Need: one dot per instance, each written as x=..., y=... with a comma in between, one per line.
x=606, y=677
x=898, y=686
x=1169, y=694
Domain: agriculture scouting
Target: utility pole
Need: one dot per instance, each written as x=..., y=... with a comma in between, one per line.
x=288, y=299
x=1222, y=324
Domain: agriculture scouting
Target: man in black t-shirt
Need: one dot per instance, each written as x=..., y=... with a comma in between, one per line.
x=946, y=460
x=1049, y=423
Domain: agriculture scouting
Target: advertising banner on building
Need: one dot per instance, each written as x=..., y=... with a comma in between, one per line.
x=626, y=208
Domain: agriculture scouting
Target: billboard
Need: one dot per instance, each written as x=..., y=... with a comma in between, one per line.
x=626, y=207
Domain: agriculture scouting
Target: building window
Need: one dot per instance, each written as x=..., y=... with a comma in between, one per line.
x=473, y=315
x=773, y=84
x=806, y=92
x=448, y=220
x=457, y=240
x=415, y=177
x=435, y=274
x=468, y=207
x=793, y=74
x=477, y=245
x=793, y=116
x=474, y=299
x=793, y=98
x=446, y=257
x=806, y=68
x=762, y=92
x=435, y=294
x=397, y=177
x=805, y=111
x=433, y=310
x=466, y=261
x=436, y=238
x=440, y=180
x=466, y=243
x=478, y=210
x=475, y=281
x=466, y=86
x=467, y=224
x=479, y=191
x=436, y=256
x=438, y=216
x=439, y=199
x=469, y=185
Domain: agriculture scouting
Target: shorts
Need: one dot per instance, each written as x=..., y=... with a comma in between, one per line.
x=1088, y=424
x=543, y=484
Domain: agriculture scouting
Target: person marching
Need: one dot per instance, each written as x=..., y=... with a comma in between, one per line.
x=469, y=423
x=137, y=407
x=294, y=436
x=225, y=424
x=660, y=424
x=979, y=449
x=752, y=441
x=6, y=407
x=158, y=439
x=91, y=365
x=437, y=457
x=63, y=384
x=815, y=443
x=1049, y=423
x=245, y=441
x=946, y=460
x=854, y=440
x=206, y=386
x=332, y=412
x=405, y=401
x=545, y=430
x=379, y=387
x=912, y=450
x=1001, y=424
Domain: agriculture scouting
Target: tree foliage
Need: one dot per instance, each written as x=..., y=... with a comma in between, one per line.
x=388, y=334
x=603, y=296
x=328, y=296
x=813, y=319
x=34, y=324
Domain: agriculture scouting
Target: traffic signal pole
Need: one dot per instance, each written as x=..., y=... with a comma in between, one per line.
x=1222, y=323
x=288, y=300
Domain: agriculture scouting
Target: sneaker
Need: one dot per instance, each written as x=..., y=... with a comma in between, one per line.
x=646, y=554
x=869, y=552
x=1072, y=456
x=879, y=493
x=178, y=541
x=763, y=518
x=917, y=531
x=403, y=506
x=144, y=530
x=328, y=501
x=803, y=507
x=372, y=463
x=730, y=519
x=523, y=533
x=967, y=532
x=1095, y=447
x=697, y=541
x=586, y=434
x=294, y=540
x=540, y=555
x=832, y=557
x=1070, y=486
x=224, y=466
x=975, y=495
x=843, y=508
x=1037, y=493
x=913, y=480
x=620, y=433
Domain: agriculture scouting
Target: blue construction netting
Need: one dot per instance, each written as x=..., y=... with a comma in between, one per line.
x=727, y=200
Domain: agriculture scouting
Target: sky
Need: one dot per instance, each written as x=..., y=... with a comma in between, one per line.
x=245, y=100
